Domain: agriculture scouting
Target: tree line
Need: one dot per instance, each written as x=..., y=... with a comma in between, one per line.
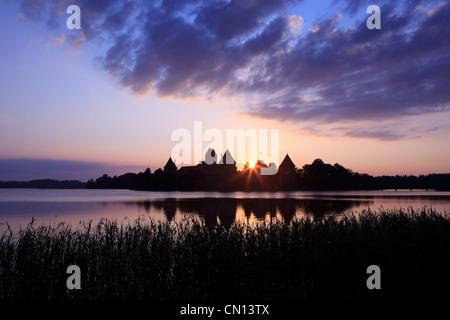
x=315, y=176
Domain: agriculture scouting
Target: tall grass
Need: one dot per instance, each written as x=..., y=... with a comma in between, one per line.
x=305, y=259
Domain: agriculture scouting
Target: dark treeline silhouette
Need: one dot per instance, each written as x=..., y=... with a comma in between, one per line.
x=222, y=175
x=125, y=181
x=432, y=181
x=43, y=184
x=323, y=176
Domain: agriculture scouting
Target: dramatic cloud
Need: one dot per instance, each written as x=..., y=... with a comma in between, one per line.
x=339, y=74
x=179, y=48
x=254, y=49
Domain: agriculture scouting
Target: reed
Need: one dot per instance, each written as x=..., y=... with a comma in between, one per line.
x=305, y=259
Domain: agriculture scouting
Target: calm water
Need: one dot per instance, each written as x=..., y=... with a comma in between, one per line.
x=18, y=206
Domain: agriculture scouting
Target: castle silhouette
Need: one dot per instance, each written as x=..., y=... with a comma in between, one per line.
x=223, y=175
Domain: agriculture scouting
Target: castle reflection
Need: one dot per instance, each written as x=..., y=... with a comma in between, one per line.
x=228, y=210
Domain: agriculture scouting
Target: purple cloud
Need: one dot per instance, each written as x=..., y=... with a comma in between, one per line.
x=329, y=74
x=360, y=74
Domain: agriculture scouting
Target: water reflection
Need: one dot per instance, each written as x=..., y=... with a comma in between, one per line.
x=17, y=207
x=226, y=210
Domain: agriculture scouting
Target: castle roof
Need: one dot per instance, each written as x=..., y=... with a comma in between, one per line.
x=227, y=158
x=170, y=165
x=210, y=152
x=260, y=164
x=287, y=163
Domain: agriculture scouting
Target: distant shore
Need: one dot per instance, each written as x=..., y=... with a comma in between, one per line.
x=392, y=183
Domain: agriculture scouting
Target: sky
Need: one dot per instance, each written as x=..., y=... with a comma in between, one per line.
x=106, y=98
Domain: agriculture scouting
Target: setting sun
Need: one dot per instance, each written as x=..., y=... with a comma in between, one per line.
x=252, y=165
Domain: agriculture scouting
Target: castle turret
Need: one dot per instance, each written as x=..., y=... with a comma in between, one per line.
x=287, y=167
x=287, y=173
x=227, y=158
x=210, y=156
x=170, y=167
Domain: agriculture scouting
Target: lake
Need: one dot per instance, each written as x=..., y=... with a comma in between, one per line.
x=19, y=206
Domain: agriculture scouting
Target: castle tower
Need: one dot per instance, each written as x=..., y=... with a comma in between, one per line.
x=210, y=156
x=287, y=173
x=170, y=167
x=287, y=167
x=227, y=158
